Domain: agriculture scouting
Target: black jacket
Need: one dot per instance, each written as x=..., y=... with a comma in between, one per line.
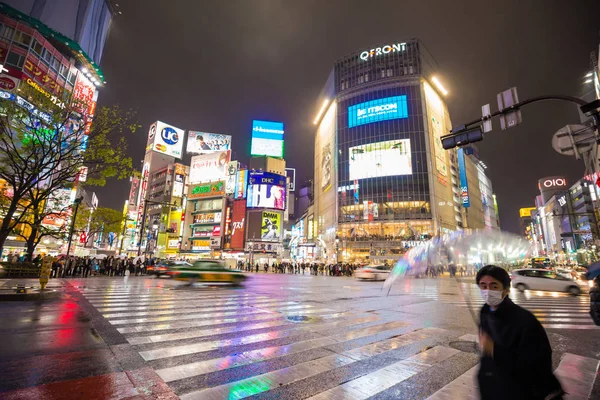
x=521, y=366
x=595, y=302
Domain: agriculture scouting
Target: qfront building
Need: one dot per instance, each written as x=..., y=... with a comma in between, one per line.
x=383, y=182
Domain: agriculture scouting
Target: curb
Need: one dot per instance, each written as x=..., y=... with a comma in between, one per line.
x=31, y=296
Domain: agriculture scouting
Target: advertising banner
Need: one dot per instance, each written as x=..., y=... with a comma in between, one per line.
x=241, y=184
x=58, y=208
x=267, y=139
x=166, y=139
x=379, y=159
x=378, y=110
x=462, y=173
x=270, y=229
x=237, y=224
x=326, y=167
x=203, y=142
x=266, y=196
x=207, y=218
x=435, y=113
x=209, y=167
x=232, y=168
x=135, y=186
x=206, y=190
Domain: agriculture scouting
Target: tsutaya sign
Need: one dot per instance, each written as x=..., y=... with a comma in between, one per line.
x=378, y=51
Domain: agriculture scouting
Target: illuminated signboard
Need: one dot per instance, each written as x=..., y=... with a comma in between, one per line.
x=383, y=50
x=387, y=158
x=265, y=178
x=552, y=182
x=207, y=190
x=209, y=167
x=166, y=139
x=526, y=212
x=267, y=138
x=462, y=172
x=394, y=107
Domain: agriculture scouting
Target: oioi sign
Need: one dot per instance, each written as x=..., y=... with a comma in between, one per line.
x=379, y=51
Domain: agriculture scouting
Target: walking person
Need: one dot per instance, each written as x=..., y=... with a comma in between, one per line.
x=516, y=357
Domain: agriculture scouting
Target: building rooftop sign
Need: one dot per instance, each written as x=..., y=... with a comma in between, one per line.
x=379, y=51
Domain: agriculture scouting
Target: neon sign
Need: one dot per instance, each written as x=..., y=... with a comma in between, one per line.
x=379, y=51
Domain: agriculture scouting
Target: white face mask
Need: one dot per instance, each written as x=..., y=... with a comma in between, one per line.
x=493, y=298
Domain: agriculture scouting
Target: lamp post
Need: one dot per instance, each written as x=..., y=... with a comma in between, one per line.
x=77, y=201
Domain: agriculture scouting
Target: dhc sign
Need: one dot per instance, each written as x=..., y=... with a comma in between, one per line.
x=378, y=51
x=377, y=110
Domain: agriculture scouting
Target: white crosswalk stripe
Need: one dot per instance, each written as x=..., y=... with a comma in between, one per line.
x=232, y=346
x=554, y=310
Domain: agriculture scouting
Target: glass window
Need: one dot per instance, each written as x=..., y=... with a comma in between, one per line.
x=15, y=60
x=46, y=56
x=63, y=71
x=37, y=47
x=55, y=64
x=7, y=32
x=22, y=38
x=72, y=76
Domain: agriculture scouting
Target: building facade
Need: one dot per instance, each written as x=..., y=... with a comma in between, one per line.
x=383, y=181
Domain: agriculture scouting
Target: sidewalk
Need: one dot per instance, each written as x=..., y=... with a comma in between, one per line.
x=62, y=348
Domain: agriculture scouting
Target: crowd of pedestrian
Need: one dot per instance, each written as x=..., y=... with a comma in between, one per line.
x=91, y=266
x=340, y=269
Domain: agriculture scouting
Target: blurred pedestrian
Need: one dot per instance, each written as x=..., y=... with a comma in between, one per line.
x=595, y=301
x=516, y=357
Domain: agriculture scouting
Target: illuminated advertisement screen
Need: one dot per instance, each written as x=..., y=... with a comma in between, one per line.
x=377, y=110
x=267, y=139
x=166, y=139
x=237, y=224
x=203, y=142
x=270, y=228
x=266, y=196
x=374, y=160
x=462, y=174
x=209, y=167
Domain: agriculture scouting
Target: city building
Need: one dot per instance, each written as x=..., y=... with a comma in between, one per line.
x=53, y=48
x=382, y=180
x=565, y=222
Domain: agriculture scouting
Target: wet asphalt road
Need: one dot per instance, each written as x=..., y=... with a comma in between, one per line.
x=292, y=336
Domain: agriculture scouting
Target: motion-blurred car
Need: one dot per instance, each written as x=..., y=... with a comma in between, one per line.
x=206, y=271
x=162, y=267
x=543, y=279
x=373, y=272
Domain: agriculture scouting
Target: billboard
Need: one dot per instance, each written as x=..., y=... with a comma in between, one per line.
x=326, y=167
x=270, y=229
x=378, y=159
x=203, y=142
x=267, y=138
x=135, y=186
x=206, y=190
x=266, y=196
x=462, y=173
x=209, y=167
x=166, y=139
x=58, y=208
x=265, y=178
x=232, y=169
x=378, y=110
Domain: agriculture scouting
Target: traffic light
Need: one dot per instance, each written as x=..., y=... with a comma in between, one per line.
x=462, y=138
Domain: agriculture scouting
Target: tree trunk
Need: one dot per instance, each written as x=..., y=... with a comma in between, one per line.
x=31, y=241
x=6, y=228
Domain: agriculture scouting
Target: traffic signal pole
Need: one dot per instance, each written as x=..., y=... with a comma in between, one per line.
x=591, y=109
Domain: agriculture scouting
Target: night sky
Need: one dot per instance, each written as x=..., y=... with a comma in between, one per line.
x=214, y=66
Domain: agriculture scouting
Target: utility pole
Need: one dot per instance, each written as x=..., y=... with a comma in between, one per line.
x=77, y=201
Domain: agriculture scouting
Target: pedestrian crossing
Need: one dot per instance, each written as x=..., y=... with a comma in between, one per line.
x=231, y=345
x=554, y=310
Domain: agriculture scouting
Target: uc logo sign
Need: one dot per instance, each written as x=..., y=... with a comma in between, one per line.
x=169, y=135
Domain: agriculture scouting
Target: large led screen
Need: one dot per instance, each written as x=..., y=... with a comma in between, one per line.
x=387, y=158
x=267, y=138
x=202, y=142
x=377, y=110
x=266, y=196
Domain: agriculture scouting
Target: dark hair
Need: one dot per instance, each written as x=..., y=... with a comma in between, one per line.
x=496, y=273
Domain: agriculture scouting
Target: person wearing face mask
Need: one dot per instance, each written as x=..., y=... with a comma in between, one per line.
x=516, y=357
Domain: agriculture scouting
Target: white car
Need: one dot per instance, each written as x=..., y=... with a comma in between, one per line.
x=543, y=279
x=373, y=272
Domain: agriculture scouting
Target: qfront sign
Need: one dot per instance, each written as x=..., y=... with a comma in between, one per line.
x=383, y=50
x=377, y=110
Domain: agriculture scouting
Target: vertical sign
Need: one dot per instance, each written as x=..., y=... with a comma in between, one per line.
x=462, y=171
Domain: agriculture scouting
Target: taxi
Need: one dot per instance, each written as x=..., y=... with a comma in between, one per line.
x=206, y=271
